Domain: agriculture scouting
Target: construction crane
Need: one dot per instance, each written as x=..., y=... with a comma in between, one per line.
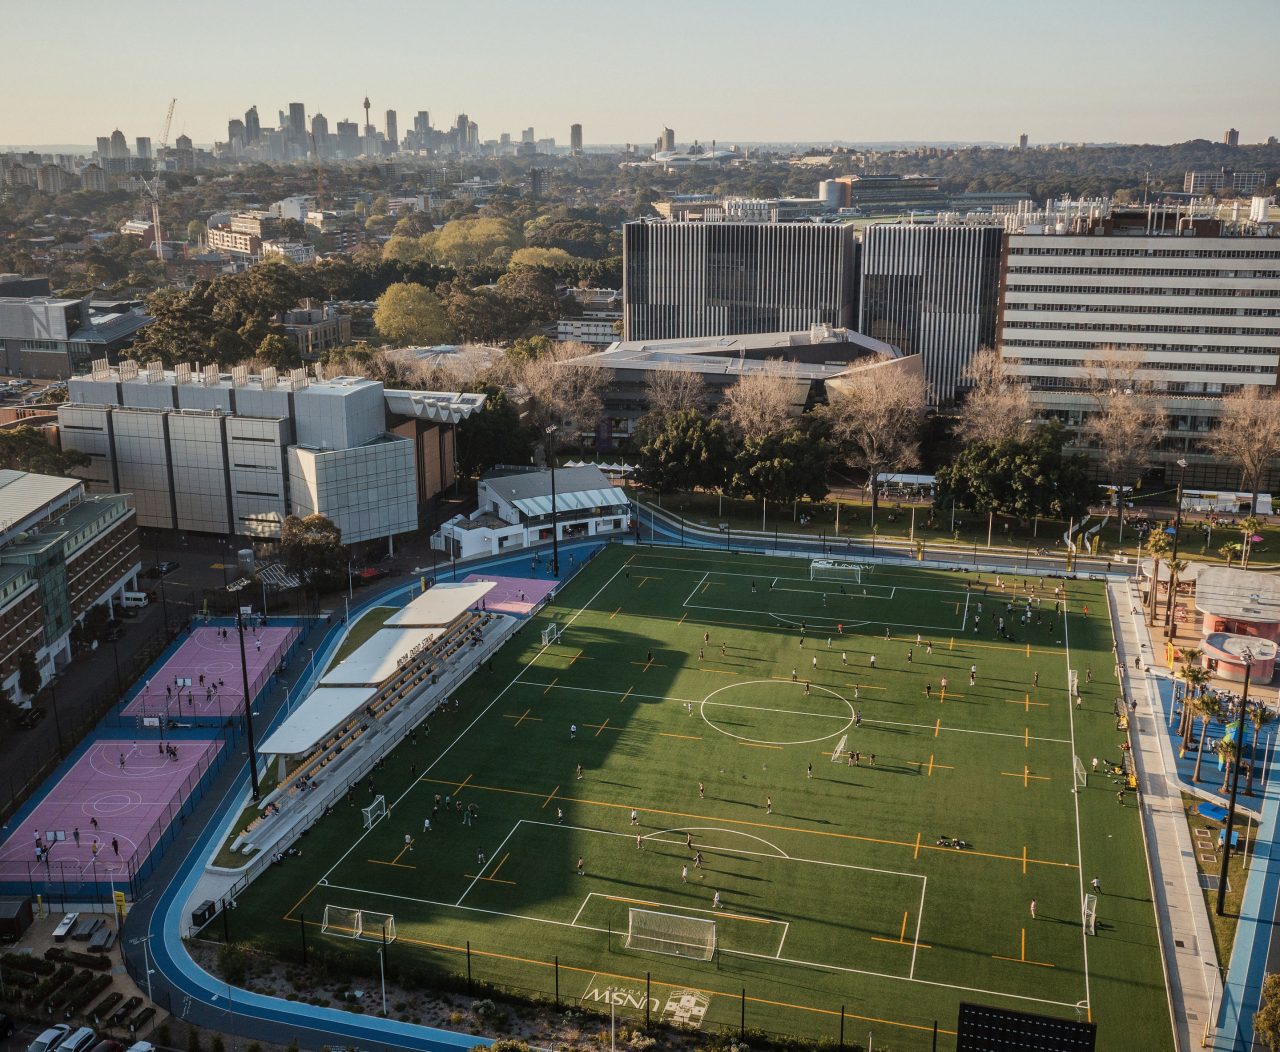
x=153, y=184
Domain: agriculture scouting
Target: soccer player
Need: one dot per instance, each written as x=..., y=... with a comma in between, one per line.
x=580, y=870
x=1097, y=885
x=408, y=842
x=973, y=675
x=635, y=817
x=808, y=773
x=768, y=805
x=573, y=733
x=702, y=793
x=873, y=661
x=697, y=863
x=578, y=772
x=639, y=843
x=559, y=816
x=1033, y=909
x=844, y=658
x=715, y=901
x=684, y=874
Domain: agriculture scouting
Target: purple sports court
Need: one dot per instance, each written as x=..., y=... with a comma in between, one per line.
x=513, y=595
x=203, y=678
x=130, y=789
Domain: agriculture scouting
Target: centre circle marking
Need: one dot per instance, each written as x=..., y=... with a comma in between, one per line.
x=702, y=708
x=114, y=803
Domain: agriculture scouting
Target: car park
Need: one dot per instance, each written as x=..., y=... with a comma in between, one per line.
x=30, y=717
x=81, y=1041
x=49, y=1039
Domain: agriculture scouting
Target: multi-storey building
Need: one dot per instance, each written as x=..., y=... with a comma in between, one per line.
x=52, y=337
x=293, y=251
x=235, y=242
x=60, y=553
x=211, y=453
x=316, y=329
x=1196, y=301
x=688, y=279
x=931, y=290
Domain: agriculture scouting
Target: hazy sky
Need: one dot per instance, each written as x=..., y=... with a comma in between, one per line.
x=858, y=70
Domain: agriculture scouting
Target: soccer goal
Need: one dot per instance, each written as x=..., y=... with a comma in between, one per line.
x=830, y=570
x=375, y=811
x=550, y=634
x=367, y=925
x=1073, y=682
x=1091, y=914
x=837, y=754
x=672, y=934
x=1082, y=776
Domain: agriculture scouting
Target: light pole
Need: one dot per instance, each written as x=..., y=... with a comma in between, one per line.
x=57, y=723
x=1173, y=558
x=555, y=530
x=248, y=710
x=1247, y=655
x=146, y=960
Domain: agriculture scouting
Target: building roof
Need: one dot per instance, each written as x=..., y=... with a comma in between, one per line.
x=377, y=659
x=25, y=495
x=576, y=490
x=1241, y=595
x=323, y=712
x=440, y=605
x=444, y=407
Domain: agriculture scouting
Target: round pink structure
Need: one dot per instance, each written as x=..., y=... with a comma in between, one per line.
x=1240, y=612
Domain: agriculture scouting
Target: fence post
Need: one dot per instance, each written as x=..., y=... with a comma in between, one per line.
x=468, y=967
x=742, y=1023
x=557, y=980
x=842, y=1026
x=302, y=929
x=647, y=996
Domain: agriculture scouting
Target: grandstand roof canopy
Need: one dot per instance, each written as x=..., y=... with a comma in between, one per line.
x=440, y=605
x=323, y=712
x=377, y=659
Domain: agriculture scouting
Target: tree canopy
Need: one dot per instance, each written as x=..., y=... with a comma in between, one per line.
x=28, y=449
x=411, y=314
x=312, y=548
x=685, y=450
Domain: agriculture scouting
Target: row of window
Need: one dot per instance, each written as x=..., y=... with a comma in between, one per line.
x=1147, y=290
x=1100, y=326
x=1150, y=272
x=1087, y=346
x=1113, y=308
x=1163, y=367
x=1181, y=252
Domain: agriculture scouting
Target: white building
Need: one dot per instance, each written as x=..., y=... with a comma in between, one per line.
x=293, y=251
x=515, y=511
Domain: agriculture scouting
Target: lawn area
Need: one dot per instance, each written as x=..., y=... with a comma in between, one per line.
x=360, y=632
x=1209, y=863
x=721, y=724
x=894, y=520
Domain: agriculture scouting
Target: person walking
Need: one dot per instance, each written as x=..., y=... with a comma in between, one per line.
x=768, y=805
x=1097, y=885
x=809, y=771
x=684, y=874
x=715, y=901
x=635, y=817
x=408, y=842
x=1033, y=909
x=702, y=792
x=580, y=869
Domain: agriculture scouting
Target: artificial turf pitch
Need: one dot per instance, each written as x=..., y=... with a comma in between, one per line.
x=840, y=899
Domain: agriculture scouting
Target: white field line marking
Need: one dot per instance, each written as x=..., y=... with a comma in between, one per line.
x=785, y=932
x=624, y=899
x=700, y=583
x=488, y=862
x=479, y=716
x=1075, y=797
x=915, y=949
x=736, y=953
x=794, y=619
x=964, y=618
x=798, y=580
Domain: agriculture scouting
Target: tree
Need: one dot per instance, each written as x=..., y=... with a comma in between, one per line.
x=875, y=420
x=785, y=465
x=1248, y=434
x=195, y=231
x=1266, y=1021
x=565, y=391
x=531, y=298
x=28, y=449
x=671, y=391
x=1025, y=476
x=1249, y=527
x=685, y=451
x=1125, y=422
x=1259, y=715
x=473, y=242
x=10, y=711
x=1157, y=548
x=312, y=548
x=29, y=679
x=494, y=436
x=1208, y=709
x=760, y=403
x=1229, y=552
x=408, y=313
x=556, y=260
x=279, y=352
x=995, y=408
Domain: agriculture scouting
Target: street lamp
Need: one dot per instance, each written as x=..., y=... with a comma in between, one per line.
x=555, y=538
x=1173, y=558
x=248, y=709
x=1247, y=656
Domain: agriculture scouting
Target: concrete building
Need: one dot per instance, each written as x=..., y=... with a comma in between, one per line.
x=211, y=453
x=61, y=552
x=805, y=361
x=1197, y=299
x=931, y=289
x=234, y=242
x=50, y=337
x=316, y=329
x=515, y=511
x=1200, y=181
x=683, y=280
x=575, y=138
x=293, y=251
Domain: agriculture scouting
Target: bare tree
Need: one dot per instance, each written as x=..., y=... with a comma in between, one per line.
x=996, y=407
x=875, y=417
x=1125, y=421
x=674, y=390
x=1248, y=434
x=760, y=402
x=565, y=391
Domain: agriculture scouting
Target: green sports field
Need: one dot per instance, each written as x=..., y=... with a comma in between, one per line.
x=834, y=893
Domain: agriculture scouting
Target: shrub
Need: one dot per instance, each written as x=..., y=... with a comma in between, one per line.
x=233, y=962
x=193, y=1040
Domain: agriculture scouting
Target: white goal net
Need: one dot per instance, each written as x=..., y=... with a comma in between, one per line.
x=1090, y=914
x=1082, y=776
x=550, y=634
x=830, y=570
x=375, y=811
x=837, y=754
x=368, y=925
x=1073, y=683
x=672, y=934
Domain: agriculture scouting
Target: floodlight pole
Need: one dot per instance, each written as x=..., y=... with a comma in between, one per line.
x=1235, y=784
x=248, y=711
x=555, y=530
x=1173, y=557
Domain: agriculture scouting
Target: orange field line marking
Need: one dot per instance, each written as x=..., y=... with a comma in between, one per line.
x=615, y=613
x=1026, y=776
x=687, y=737
x=491, y=880
x=553, y=682
x=666, y=813
x=916, y=854
x=494, y=873
x=398, y=865
x=937, y=727
x=628, y=691
x=550, y=796
x=1023, y=958
x=601, y=726
x=901, y=940
x=1024, y=860
x=462, y=785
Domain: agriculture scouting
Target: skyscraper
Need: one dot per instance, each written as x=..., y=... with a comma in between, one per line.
x=320, y=131
x=721, y=279
x=393, y=132
x=104, y=147
x=368, y=128
x=931, y=290
x=1022, y=141
x=348, y=139
x=527, y=135
x=142, y=145
x=668, y=139
x=1231, y=137
x=575, y=138
x=119, y=148
x=297, y=126
x=252, y=128
x=235, y=135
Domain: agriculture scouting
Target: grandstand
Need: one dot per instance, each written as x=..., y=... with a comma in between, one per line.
x=369, y=702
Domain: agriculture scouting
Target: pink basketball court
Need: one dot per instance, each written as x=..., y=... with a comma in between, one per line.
x=119, y=796
x=513, y=595
x=203, y=676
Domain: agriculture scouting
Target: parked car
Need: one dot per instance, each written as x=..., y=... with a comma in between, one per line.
x=165, y=567
x=31, y=717
x=107, y=1045
x=81, y=1041
x=372, y=573
x=50, y=1039
x=141, y=1046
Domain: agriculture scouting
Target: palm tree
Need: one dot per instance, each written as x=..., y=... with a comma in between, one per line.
x=1195, y=678
x=1229, y=552
x=1207, y=708
x=1248, y=527
x=1226, y=756
x=1259, y=715
x=1176, y=567
x=1157, y=546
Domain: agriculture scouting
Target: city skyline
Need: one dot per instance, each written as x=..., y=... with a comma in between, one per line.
x=897, y=78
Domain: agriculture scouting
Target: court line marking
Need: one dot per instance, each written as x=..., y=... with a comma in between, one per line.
x=485, y=866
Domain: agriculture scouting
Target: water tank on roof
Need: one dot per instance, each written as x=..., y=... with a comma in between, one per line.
x=244, y=561
x=830, y=193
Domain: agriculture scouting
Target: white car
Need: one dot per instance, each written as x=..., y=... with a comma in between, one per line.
x=50, y=1039
x=141, y=1046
